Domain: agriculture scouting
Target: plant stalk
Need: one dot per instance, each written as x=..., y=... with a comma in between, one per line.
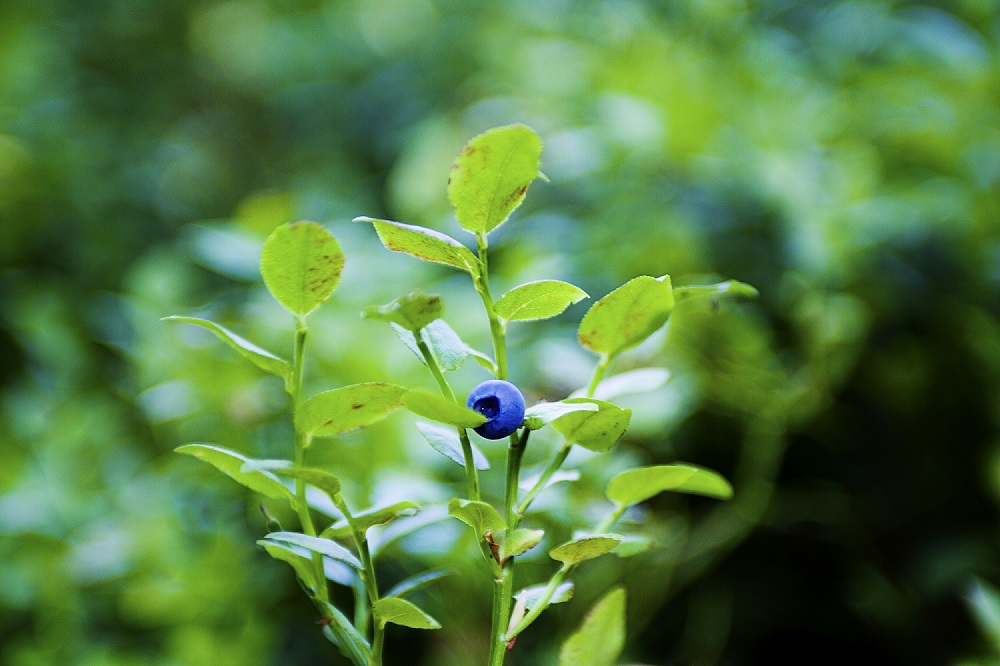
x=471, y=474
x=301, y=444
x=496, y=328
x=557, y=579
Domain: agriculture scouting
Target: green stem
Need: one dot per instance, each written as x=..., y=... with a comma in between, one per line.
x=301, y=444
x=501, y=610
x=377, y=641
x=496, y=328
x=471, y=474
x=433, y=366
x=543, y=602
x=503, y=587
x=515, y=453
x=539, y=486
x=599, y=372
x=367, y=576
x=557, y=580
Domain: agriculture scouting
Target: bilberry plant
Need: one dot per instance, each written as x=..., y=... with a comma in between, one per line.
x=301, y=265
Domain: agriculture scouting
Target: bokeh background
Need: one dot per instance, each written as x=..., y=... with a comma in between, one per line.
x=841, y=156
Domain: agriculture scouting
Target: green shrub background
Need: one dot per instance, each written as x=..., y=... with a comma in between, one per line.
x=841, y=156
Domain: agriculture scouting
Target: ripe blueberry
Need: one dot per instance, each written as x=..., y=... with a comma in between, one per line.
x=502, y=405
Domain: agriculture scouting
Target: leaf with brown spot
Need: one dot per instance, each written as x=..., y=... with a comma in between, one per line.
x=491, y=176
x=341, y=410
x=425, y=244
x=301, y=265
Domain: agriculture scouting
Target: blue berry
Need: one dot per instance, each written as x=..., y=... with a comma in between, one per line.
x=501, y=403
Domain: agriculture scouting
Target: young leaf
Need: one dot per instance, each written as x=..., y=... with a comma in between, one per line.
x=317, y=478
x=231, y=463
x=517, y=542
x=480, y=516
x=449, y=349
x=491, y=176
x=302, y=565
x=446, y=442
x=438, y=408
x=632, y=545
x=324, y=547
x=531, y=595
x=627, y=316
x=301, y=265
x=342, y=633
x=601, y=637
x=416, y=582
x=597, y=431
x=425, y=244
x=638, y=485
x=641, y=380
x=585, y=548
x=483, y=360
x=370, y=518
x=340, y=410
x=541, y=414
x=412, y=311
x=529, y=482
x=402, y=612
x=727, y=288
x=262, y=358
x=538, y=300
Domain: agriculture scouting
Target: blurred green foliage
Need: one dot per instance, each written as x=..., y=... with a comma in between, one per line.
x=841, y=156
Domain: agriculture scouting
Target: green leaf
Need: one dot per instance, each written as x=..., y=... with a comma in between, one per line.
x=436, y=407
x=627, y=316
x=541, y=414
x=342, y=633
x=727, y=288
x=480, y=516
x=301, y=265
x=445, y=346
x=303, y=566
x=402, y=612
x=262, y=358
x=641, y=380
x=601, y=637
x=417, y=582
x=538, y=300
x=585, y=548
x=425, y=244
x=632, y=545
x=527, y=483
x=412, y=311
x=370, y=518
x=483, y=360
x=597, y=431
x=638, y=485
x=518, y=541
x=446, y=442
x=324, y=547
x=531, y=595
x=341, y=410
x=491, y=176
x=231, y=464
x=317, y=478
x=449, y=349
